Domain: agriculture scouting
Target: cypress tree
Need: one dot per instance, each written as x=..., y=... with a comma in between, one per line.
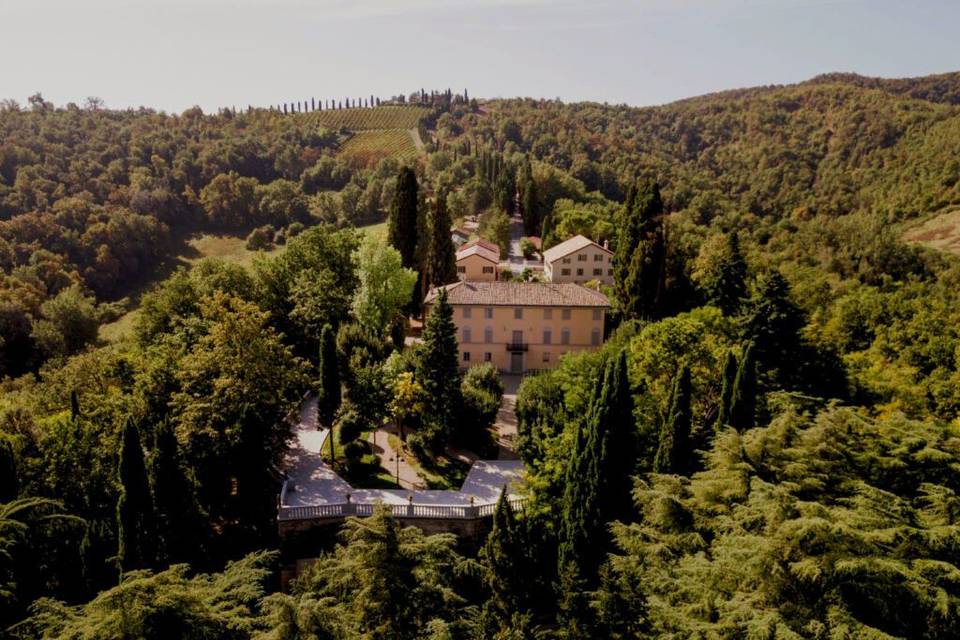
x=531, y=209
x=179, y=521
x=605, y=455
x=774, y=324
x=135, y=521
x=74, y=405
x=675, y=453
x=743, y=403
x=403, y=231
x=628, y=238
x=329, y=393
x=442, y=258
x=9, y=480
x=501, y=557
x=726, y=391
x=438, y=373
x=640, y=295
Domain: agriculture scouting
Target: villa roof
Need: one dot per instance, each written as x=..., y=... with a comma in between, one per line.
x=520, y=294
x=480, y=248
x=565, y=248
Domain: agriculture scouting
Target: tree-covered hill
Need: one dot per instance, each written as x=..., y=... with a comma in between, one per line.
x=834, y=145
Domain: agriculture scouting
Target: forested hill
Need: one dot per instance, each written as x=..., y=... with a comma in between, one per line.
x=834, y=145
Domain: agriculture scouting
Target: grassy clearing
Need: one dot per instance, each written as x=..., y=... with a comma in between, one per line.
x=230, y=249
x=940, y=232
x=377, y=230
x=364, y=119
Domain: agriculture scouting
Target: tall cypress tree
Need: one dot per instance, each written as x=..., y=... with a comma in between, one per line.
x=403, y=232
x=178, y=518
x=502, y=558
x=628, y=237
x=604, y=456
x=74, y=405
x=9, y=480
x=442, y=259
x=438, y=373
x=531, y=209
x=675, y=453
x=135, y=516
x=329, y=392
x=726, y=391
x=641, y=292
x=743, y=403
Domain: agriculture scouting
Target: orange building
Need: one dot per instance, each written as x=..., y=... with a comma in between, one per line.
x=523, y=326
x=477, y=261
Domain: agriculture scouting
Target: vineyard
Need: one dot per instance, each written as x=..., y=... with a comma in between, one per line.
x=366, y=119
x=366, y=148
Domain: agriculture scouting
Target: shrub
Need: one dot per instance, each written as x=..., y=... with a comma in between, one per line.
x=260, y=238
x=482, y=391
x=527, y=248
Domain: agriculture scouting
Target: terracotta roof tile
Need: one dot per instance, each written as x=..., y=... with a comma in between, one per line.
x=471, y=248
x=521, y=294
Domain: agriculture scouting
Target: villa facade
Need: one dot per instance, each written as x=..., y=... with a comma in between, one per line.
x=477, y=261
x=523, y=326
x=578, y=260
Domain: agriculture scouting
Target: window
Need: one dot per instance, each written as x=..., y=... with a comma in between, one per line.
x=488, y=335
x=565, y=314
x=596, y=314
x=609, y=259
x=598, y=257
x=581, y=257
x=488, y=269
x=461, y=269
x=609, y=272
x=546, y=356
x=466, y=334
x=579, y=272
x=466, y=356
x=564, y=272
x=566, y=261
x=487, y=356
x=547, y=336
x=518, y=313
x=595, y=337
x=565, y=336
x=548, y=314
x=467, y=312
x=488, y=313
x=598, y=272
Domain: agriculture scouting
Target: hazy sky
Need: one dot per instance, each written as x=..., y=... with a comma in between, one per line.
x=171, y=54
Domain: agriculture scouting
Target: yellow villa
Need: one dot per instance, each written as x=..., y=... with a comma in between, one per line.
x=523, y=326
x=578, y=260
x=477, y=261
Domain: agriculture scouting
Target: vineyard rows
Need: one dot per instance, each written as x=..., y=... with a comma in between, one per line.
x=369, y=146
x=365, y=119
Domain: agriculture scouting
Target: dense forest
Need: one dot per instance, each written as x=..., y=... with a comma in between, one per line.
x=766, y=446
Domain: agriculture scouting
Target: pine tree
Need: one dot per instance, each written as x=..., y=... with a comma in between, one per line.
x=9, y=480
x=726, y=391
x=743, y=403
x=135, y=516
x=438, y=373
x=774, y=324
x=329, y=392
x=675, y=452
x=442, y=258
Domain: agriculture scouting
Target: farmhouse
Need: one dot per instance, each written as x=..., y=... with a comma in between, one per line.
x=578, y=260
x=459, y=236
x=477, y=261
x=523, y=326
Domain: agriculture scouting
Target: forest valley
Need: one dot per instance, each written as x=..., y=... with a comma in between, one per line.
x=766, y=446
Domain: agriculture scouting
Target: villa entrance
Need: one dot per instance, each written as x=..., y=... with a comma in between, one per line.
x=516, y=362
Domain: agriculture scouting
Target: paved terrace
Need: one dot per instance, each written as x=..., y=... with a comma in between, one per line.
x=313, y=490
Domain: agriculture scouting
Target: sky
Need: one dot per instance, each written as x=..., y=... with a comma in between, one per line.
x=173, y=54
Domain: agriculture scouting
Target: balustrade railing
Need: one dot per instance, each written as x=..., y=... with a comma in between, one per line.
x=409, y=510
